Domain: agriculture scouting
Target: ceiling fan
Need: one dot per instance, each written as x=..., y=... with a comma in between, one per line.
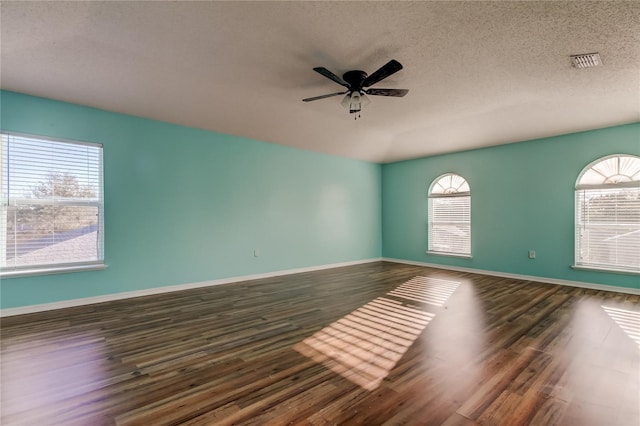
x=358, y=86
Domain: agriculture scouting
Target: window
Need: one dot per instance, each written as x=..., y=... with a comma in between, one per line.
x=450, y=216
x=52, y=205
x=608, y=214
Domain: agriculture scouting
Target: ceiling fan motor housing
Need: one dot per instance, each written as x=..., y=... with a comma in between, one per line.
x=355, y=79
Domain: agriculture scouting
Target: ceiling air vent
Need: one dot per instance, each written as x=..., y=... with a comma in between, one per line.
x=586, y=60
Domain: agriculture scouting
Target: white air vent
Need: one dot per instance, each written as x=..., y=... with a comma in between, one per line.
x=586, y=60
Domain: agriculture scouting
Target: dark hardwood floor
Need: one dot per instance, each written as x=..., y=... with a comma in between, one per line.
x=371, y=344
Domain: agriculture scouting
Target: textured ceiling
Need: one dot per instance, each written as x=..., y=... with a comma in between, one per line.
x=478, y=73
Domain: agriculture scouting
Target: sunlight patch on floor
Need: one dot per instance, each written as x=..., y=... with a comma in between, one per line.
x=366, y=344
x=628, y=321
x=426, y=290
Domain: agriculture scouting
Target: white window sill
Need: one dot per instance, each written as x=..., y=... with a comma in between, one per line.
x=602, y=269
x=442, y=253
x=47, y=270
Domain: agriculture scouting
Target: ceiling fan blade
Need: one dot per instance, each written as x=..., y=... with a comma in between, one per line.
x=387, y=92
x=331, y=76
x=383, y=72
x=315, y=98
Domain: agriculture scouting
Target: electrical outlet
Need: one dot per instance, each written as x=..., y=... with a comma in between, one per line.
x=256, y=253
x=532, y=254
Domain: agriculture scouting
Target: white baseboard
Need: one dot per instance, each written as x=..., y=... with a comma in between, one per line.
x=167, y=289
x=591, y=286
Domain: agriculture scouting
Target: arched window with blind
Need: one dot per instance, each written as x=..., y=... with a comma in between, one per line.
x=449, y=216
x=608, y=214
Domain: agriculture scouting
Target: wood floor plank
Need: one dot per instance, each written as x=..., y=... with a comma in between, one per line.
x=438, y=348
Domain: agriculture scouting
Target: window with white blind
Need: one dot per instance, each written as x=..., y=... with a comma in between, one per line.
x=608, y=215
x=450, y=216
x=52, y=205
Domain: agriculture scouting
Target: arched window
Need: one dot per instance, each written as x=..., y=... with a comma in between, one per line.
x=450, y=216
x=608, y=214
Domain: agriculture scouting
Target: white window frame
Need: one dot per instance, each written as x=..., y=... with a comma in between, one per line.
x=462, y=191
x=581, y=227
x=46, y=268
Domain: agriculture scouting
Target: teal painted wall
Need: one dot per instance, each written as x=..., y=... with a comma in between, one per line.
x=184, y=205
x=522, y=198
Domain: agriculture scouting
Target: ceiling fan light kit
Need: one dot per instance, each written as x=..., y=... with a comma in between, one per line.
x=357, y=83
x=355, y=102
